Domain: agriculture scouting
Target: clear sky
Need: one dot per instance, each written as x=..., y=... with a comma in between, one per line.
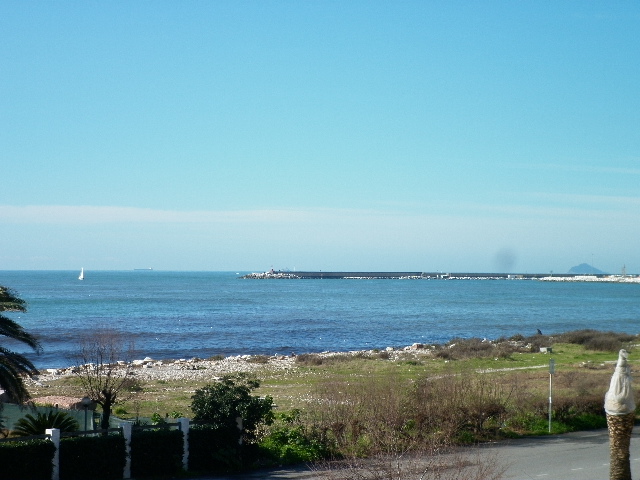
x=320, y=135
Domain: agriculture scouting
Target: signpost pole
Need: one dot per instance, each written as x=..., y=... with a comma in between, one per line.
x=552, y=368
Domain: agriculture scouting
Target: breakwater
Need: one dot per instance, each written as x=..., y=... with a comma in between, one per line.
x=319, y=275
x=333, y=275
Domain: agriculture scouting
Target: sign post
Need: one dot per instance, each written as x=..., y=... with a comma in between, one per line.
x=552, y=370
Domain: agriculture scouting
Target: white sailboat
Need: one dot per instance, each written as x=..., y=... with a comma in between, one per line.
x=81, y=277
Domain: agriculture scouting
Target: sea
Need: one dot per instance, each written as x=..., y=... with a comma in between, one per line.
x=171, y=315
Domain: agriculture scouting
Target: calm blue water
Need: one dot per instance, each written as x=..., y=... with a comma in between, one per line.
x=187, y=314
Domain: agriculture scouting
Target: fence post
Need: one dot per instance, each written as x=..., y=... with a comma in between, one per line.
x=126, y=433
x=183, y=425
x=239, y=425
x=54, y=436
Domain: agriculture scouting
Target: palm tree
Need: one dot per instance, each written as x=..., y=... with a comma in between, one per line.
x=30, y=425
x=13, y=366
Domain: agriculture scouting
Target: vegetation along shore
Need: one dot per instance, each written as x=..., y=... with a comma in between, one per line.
x=464, y=391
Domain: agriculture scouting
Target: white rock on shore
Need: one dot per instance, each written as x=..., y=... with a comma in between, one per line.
x=183, y=369
x=203, y=370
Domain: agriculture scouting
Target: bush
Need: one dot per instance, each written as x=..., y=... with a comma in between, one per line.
x=258, y=359
x=27, y=460
x=290, y=441
x=219, y=405
x=597, y=340
x=461, y=348
x=314, y=359
x=156, y=452
x=309, y=359
x=210, y=451
x=100, y=458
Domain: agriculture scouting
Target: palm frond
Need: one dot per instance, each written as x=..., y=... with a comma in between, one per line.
x=30, y=425
x=13, y=330
x=13, y=367
x=10, y=302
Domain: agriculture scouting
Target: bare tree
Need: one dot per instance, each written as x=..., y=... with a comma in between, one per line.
x=103, y=366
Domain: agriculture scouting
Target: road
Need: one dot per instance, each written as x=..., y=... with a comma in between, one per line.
x=572, y=456
x=579, y=456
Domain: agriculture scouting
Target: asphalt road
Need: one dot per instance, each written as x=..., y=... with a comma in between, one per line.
x=579, y=456
x=573, y=456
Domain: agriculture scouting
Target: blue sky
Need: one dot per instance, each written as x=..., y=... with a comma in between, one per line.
x=320, y=135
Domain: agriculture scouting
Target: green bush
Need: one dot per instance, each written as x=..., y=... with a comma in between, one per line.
x=461, y=348
x=156, y=452
x=26, y=460
x=220, y=404
x=596, y=340
x=209, y=450
x=290, y=441
x=587, y=421
x=100, y=458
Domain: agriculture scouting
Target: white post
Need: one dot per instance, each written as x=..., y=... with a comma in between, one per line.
x=552, y=370
x=126, y=432
x=54, y=436
x=239, y=425
x=183, y=425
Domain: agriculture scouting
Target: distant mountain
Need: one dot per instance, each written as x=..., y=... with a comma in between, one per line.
x=585, y=268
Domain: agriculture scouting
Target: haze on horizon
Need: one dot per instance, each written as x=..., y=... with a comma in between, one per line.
x=364, y=135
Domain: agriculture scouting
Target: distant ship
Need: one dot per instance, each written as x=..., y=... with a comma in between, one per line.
x=143, y=268
x=81, y=277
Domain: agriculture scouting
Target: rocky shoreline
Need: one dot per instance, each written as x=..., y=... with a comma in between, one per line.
x=197, y=369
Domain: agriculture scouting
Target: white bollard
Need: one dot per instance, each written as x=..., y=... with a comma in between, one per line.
x=54, y=436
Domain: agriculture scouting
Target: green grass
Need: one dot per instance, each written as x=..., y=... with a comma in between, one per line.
x=293, y=388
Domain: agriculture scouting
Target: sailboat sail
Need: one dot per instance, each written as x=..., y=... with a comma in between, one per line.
x=81, y=277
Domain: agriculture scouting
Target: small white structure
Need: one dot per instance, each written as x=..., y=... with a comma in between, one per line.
x=619, y=399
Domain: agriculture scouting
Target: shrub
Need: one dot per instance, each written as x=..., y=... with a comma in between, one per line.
x=309, y=359
x=120, y=411
x=364, y=417
x=537, y=341
x=30, y=425
x=156, y=452
x=26, y=460
x=291, y=441
x=460, y=348
x=258, y=359
x=314, y=359
x=449, y=406
x=210, y=451
x=597, y=340
x=100, y=458
x=220, y=404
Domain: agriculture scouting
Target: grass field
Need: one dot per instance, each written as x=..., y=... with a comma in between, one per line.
x=580, y=371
